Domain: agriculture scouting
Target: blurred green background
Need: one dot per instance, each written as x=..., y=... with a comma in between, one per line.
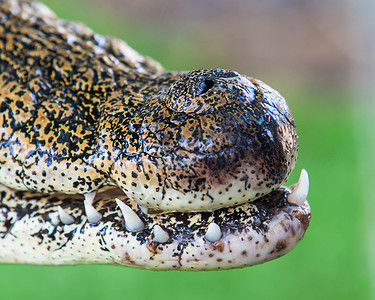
x=316, y=54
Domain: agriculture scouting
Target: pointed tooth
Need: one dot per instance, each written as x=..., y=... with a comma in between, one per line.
x=132, y=222
x=213, y=233
x=160, y=235
x=54, y=217
x=89, y=197
x=64, y=217
x=144, y=209
x=299, y=194
x=92, y=214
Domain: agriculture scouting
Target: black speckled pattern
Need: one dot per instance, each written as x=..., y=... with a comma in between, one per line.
x=81, y=112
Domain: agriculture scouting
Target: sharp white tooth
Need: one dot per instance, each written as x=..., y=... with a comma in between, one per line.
x=64, y=217
x=132, y=222
x=160, y=235
x=213, y=233
x=299, y=194
x=144, y=209
x=89, y=197
x=92, y=214
x=54, y=217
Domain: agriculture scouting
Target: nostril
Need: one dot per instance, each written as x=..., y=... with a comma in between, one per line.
x=206, y=85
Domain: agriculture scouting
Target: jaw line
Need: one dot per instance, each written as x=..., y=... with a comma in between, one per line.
x=251, y=233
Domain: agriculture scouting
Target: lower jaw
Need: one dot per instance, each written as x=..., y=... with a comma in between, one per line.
x=252, y=233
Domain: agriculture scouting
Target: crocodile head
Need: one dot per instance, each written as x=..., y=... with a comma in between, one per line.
x=198, y=157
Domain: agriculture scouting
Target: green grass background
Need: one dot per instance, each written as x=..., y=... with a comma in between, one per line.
x=329, y=263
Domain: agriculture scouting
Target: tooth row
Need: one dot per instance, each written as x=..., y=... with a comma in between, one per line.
x=133, y=223
x=299, y=194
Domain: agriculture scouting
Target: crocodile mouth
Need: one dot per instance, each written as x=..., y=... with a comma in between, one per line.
x=58, y=231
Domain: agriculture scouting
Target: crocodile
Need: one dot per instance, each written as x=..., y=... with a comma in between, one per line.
x=105, y=157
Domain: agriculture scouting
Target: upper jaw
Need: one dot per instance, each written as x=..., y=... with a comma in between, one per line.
x=208, y=140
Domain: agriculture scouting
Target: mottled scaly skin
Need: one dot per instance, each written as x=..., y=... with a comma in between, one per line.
x=54, y=77
x=81, y=112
